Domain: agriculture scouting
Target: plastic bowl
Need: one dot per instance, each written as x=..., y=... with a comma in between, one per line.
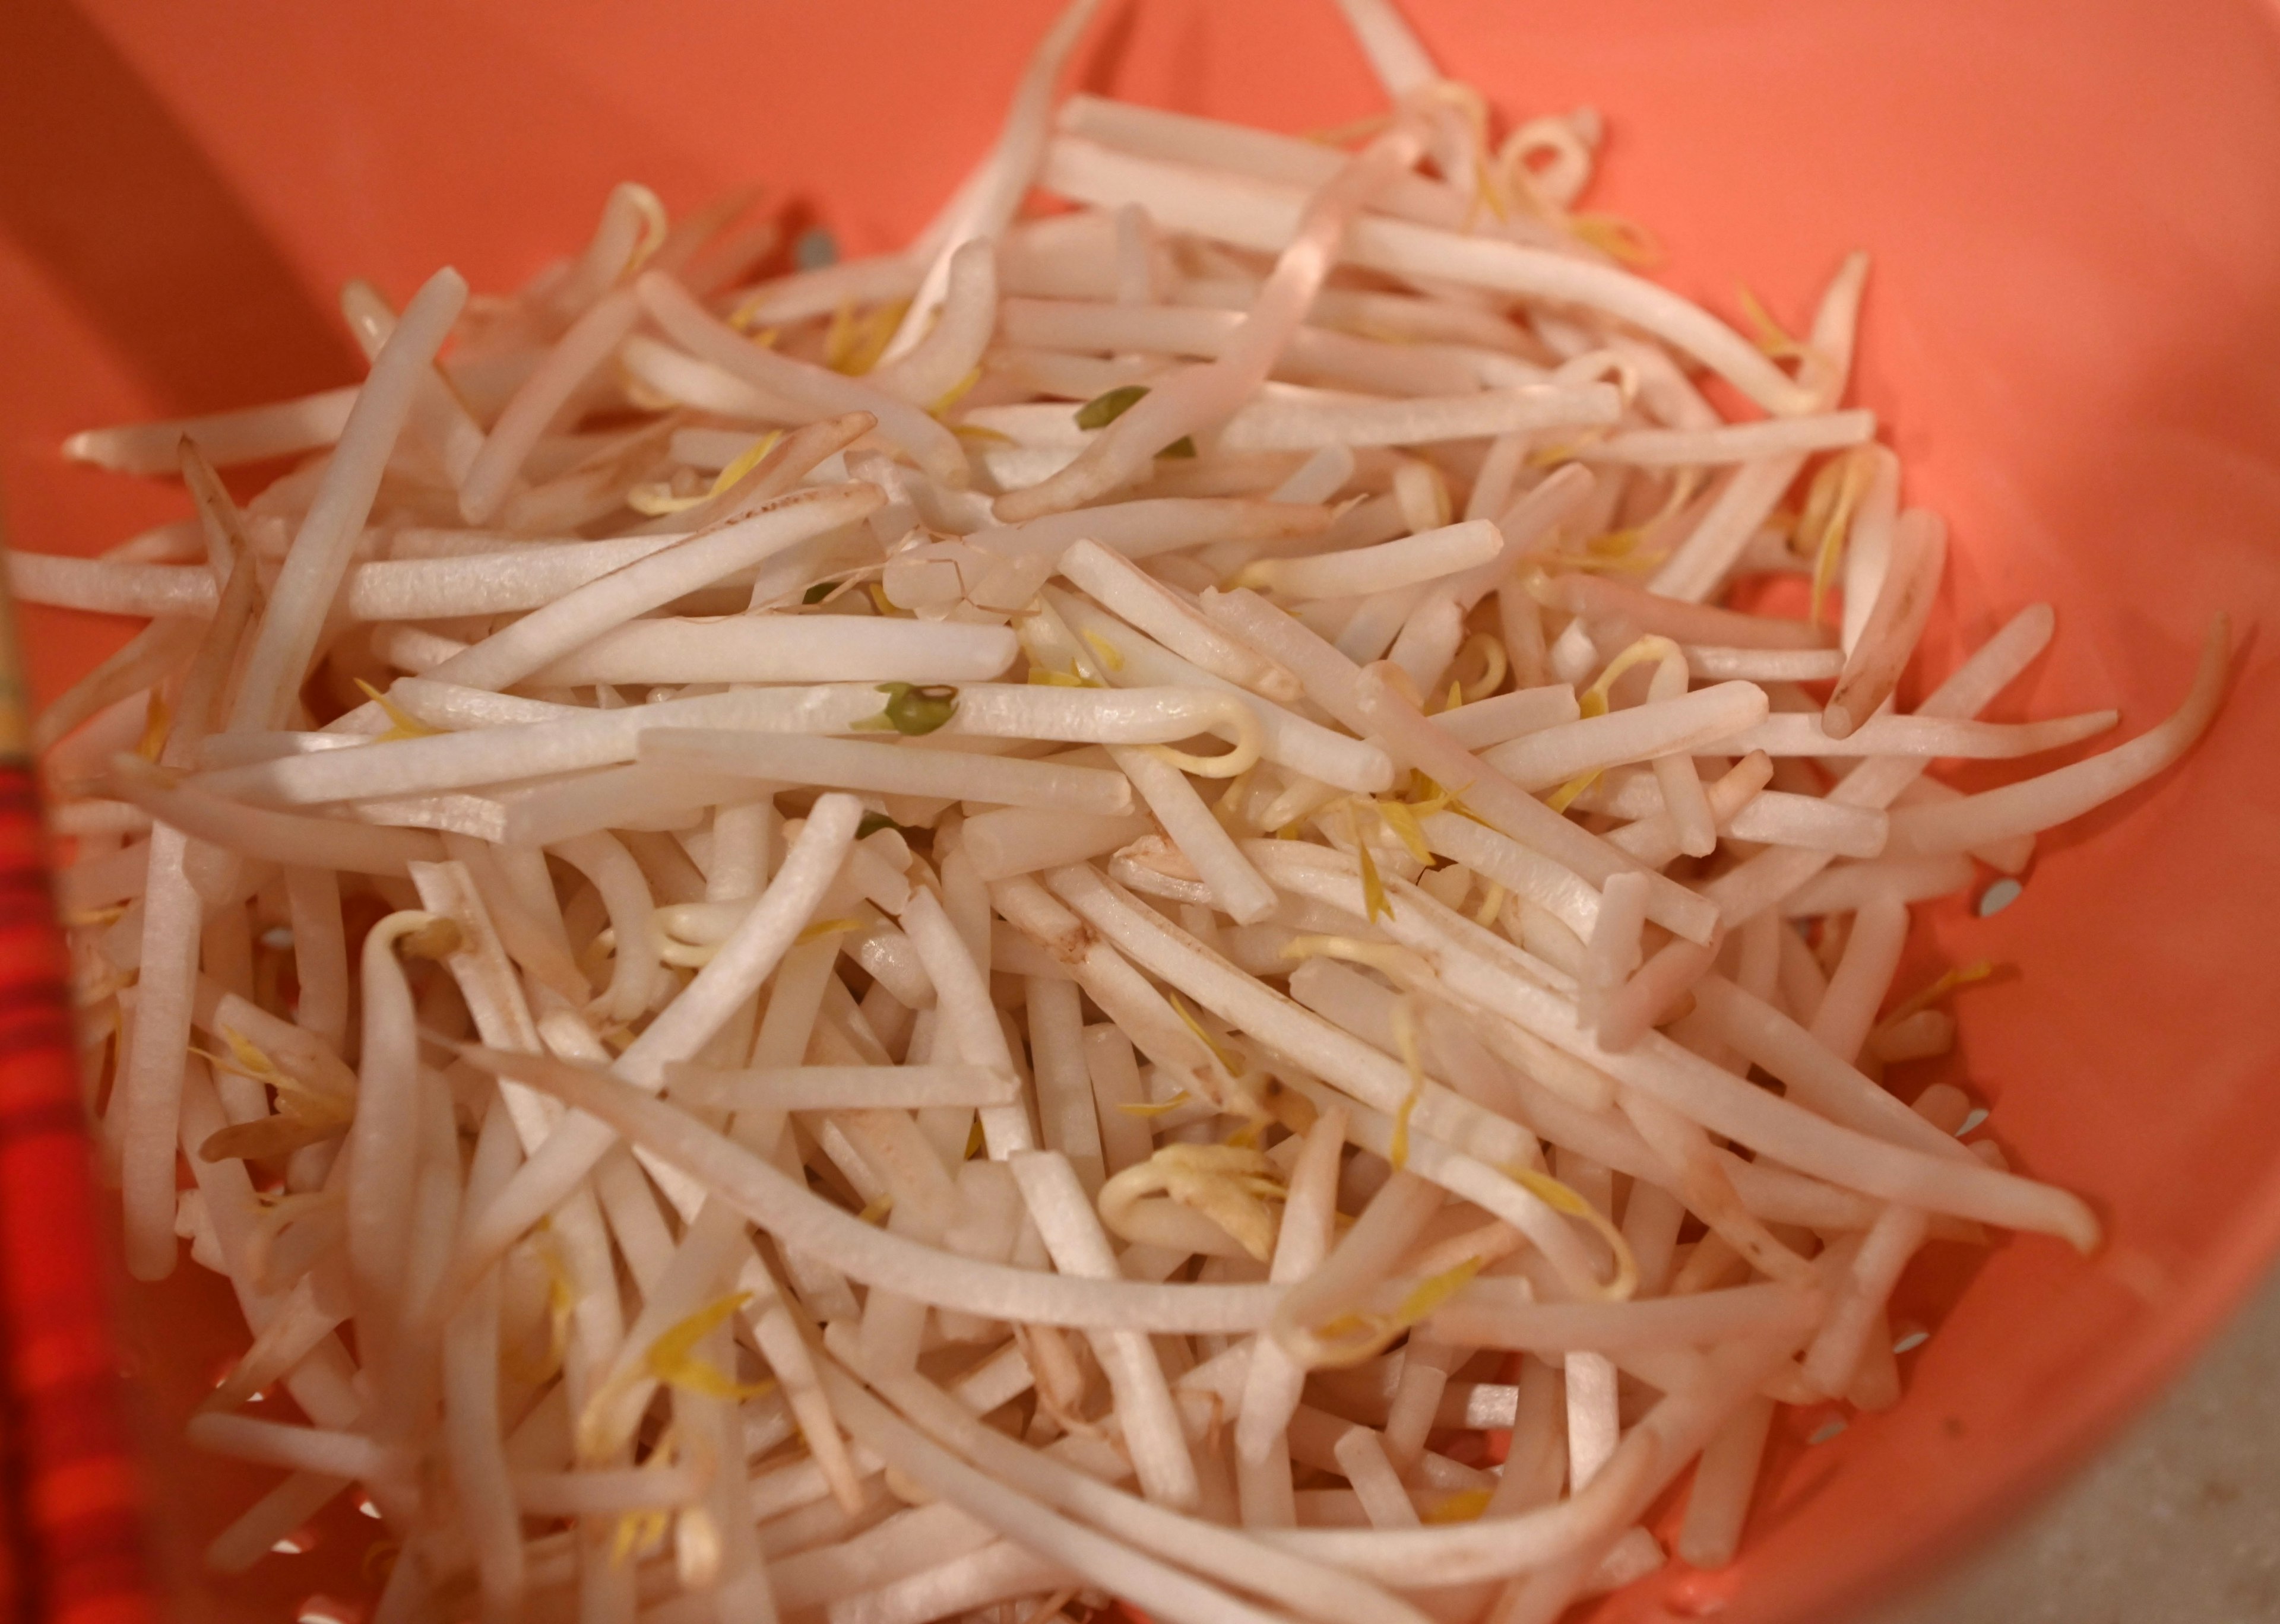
x=2075, y=218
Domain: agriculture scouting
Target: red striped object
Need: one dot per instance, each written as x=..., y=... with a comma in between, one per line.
x=70, y=1499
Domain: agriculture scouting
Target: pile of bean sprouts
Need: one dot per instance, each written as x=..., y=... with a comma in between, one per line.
x=1105, y=909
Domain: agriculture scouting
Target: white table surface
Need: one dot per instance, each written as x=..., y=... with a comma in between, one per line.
x=2177, y=1522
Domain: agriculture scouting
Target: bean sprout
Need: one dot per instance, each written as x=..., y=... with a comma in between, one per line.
x=932, y=935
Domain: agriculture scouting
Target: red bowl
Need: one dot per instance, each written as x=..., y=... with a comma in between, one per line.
x=2075, y=213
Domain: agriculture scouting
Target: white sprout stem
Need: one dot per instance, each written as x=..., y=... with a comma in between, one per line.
x=1869, y=547
x=1508, y=716
x=1601, y=598
x=1328, y=676
x=143, y=662
x=1655, y=840
x=969, y=1020
x=821, y=291
x=785, y=648
x=1236, y=886
x=1001, y=1572
x=1273, y=1381
x=2010, y=855
x=1681, y=447
x=1718, y=1504
x=1725, y=1104
x=952, y=348
x=1126, y=1141
x=1156, y=525
x=254, y=434
x=149, y=1089
x=1771, y=817
x=383, y=1137
x=412, y=586
x=908, y=1543
x=1852, y=885
x=2052, y=798
x=567, y=623
x=839, y=1088
x=684, y=1027
x=1510, y=810
x=601, y=1492
x=319, y=953
x=1123, y=588
x=104, y=585
x=753, y=950
x=1201, y=398
x=1216, y=1551
x=632, y=797
x=1764, y=665
x=506, y=739
x=1140, y=1013
x=1360, y=1454
x=1018, y=839
x=1166, y=1591
x=1067, y=1119
x=1065, y=1218
x=1764, y=880
x=321, y=547
x=1594, y=1424
x=1692, y=722
x=470, y=1401
x=848, y=764
x=1522, y=870
x=1699, y=565
x=1212, y=144
x=699, y=1264
x=1683, y=801
x=1793, y=734
x=488, y=981
x=297, y=1449
x=1429, y=638
x=630, y=213
x=1288, y=739
x=596, y=332
x=817, y=391
x=638, y=961
x=791, y=461
x=1862, y=977
x=803, y=1221
x=275, y=1516
x=1364, y=1256
x=1372, y=1077
x=682, y=378
x=1131, y=715
x=80, y=819
x=1376, y=621
x=1612, y=950
x=1049, y=335
x=1441, y=1119
x=984, y=205
x=1306, y=426
x=1835, y=1353
x=1427, y=556
x=438, y=417
x=1249, y=213
x=1395, y=55
x=1578, y=1527
x=1888, y=638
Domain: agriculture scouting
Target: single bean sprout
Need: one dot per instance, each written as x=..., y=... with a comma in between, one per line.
x=1040, y=918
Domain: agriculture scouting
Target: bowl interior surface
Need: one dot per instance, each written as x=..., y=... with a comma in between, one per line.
x=2075, y=216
